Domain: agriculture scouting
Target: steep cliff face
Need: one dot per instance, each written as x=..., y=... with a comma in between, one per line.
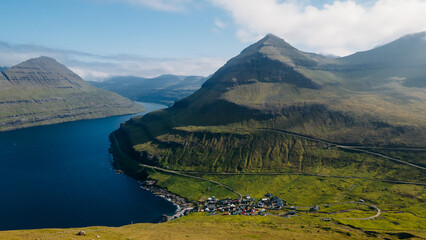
x=42, y=91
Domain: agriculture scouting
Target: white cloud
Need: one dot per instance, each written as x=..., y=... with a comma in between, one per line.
x=339, y=28
x=97, y=68
x=219, y=24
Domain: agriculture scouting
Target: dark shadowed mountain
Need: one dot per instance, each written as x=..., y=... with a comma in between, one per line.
x=164, y=89
x=42, y=91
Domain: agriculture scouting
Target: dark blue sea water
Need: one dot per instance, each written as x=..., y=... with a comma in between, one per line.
x=61, y=176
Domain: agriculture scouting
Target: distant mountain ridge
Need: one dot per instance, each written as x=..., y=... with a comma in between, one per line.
x=164, y=89
x=42, y=91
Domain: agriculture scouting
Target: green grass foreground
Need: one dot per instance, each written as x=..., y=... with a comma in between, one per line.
x=202, y=226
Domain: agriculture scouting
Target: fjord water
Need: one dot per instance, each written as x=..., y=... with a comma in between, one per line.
x=61, y=176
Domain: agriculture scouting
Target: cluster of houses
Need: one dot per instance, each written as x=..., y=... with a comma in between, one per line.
x=245, y=206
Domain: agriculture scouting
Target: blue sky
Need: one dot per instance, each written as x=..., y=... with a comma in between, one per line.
x=116, y=28
x=102, y=38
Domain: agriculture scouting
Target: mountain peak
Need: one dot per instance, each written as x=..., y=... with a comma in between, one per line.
x=271, y=59
x=271, y=40
x=419, y=35
x=43, y=71
x=42, y=62
x=42, y=58
x=276, y=48
x=272, y=36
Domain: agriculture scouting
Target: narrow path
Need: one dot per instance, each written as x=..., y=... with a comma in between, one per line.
x=351, y=202
x=391, y=149
x=352, y=148
x=174, y=172
x=367, y=218
x=380, y=155
x=191, y=176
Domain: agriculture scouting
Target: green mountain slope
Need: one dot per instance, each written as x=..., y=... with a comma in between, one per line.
x=235, y=122
x=165, y=89
x=42, y=91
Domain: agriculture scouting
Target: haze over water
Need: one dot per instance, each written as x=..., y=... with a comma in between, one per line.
x=61, y=176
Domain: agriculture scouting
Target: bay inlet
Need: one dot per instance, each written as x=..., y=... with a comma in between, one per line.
x=61, y=175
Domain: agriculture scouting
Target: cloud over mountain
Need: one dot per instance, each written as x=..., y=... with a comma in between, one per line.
x=340, y=28
x=96, y=67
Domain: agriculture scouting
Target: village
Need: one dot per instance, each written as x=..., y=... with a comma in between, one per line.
x=245, y=206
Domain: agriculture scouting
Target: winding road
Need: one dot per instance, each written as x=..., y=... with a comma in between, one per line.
x=191, y=176
x=343, y=203
x=306, y=174
x=352, y=148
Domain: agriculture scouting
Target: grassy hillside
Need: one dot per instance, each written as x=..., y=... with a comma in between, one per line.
x=307, y=174
x=201, y=226
x=309, y=129
x=41, y=91
x=356, y=100
x=370, y=98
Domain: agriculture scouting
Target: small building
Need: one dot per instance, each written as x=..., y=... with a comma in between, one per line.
x=211, y=207
x=268, y=195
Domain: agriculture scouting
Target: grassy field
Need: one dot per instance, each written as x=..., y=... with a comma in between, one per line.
x=403, y=206
x=201, y=226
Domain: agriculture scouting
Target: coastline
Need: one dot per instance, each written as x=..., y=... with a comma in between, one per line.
x=55, y=121
x=181, y=203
